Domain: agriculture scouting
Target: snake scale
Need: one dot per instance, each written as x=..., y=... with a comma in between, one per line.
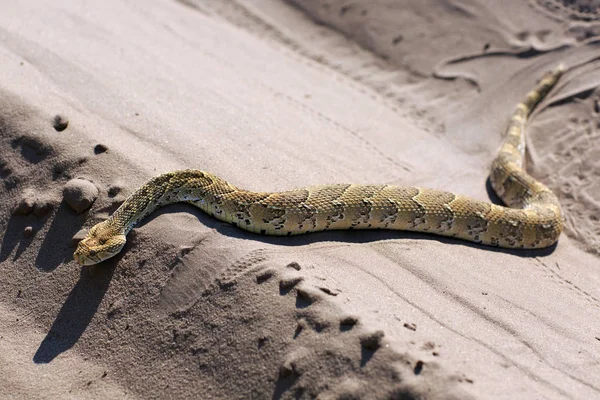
x=532, y=219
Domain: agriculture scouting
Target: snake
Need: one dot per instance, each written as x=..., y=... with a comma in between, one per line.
x=530, y=219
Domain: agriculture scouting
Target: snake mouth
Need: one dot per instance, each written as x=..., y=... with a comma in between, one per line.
x=84, y=255
x=95, y=249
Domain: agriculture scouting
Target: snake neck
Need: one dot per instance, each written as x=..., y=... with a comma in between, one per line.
x=168, y=188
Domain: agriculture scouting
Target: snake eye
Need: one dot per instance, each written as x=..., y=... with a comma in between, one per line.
x=92, y=253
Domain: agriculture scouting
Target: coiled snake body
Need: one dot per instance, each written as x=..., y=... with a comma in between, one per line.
x=532, y=219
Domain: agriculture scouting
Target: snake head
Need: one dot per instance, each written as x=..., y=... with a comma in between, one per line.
x=100, y=244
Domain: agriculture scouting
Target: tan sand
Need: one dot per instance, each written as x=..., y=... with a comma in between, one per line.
x=273, y=95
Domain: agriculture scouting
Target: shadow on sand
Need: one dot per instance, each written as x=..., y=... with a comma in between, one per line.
x=77, y=312
x=54, y=249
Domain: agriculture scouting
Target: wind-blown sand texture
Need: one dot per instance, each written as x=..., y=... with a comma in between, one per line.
x=273, y=95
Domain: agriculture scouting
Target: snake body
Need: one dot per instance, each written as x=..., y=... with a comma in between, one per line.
x=532, y=219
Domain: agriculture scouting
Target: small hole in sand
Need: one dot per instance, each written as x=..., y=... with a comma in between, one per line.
x=262, y=341
x=100, y=148
x=263, y=277
x=299, y=329
x=345, y=9
x=348, y=323
x=304, y=299
x=410, y=326
x=418, y=367
x=372, y=341
x=60, y=123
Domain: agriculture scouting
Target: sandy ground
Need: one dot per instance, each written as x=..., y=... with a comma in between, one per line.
x=273, y=95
